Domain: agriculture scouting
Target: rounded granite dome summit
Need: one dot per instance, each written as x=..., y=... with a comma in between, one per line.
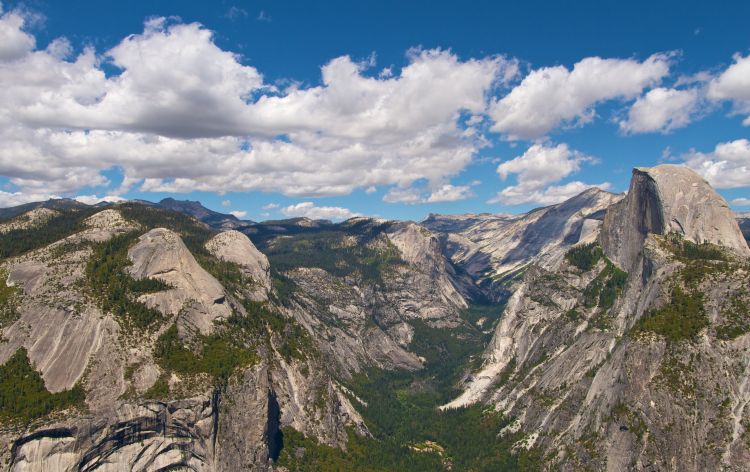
x=665, y=199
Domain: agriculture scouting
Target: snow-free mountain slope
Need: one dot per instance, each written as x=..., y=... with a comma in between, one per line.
x=605, y=369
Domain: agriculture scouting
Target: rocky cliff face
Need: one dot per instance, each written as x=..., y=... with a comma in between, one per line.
x=143, y=409
x=608, y=370
x=668, y=199
x=361, y=288
x=163, y=343
x=235, y=247
x=161, y=254
x=495, y=248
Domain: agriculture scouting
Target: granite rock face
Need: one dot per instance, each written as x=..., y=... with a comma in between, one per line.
x=147, y=436
x=235, y=247
x=60, y=329
x=421, y=249
x=668, y=199
x=367, y=322
x=197, y=425
x=494, y=249
x=161, y=254
x=595, y=386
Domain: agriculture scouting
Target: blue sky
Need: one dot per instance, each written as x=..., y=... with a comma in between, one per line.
x=394, y=109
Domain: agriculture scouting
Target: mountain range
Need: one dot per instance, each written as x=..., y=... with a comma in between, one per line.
x=607, y=332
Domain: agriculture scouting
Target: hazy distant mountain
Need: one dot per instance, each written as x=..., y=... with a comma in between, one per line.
x=55, y=204
x=210, y=217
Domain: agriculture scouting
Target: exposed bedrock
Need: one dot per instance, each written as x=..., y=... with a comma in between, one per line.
x=665, y=199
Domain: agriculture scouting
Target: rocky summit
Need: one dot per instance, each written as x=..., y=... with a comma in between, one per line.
x=607, y=332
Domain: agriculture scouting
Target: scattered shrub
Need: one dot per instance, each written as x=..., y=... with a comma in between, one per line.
x=682, y=319
x=736, y=314
x=20, y=241
x=219, y=355
x=605, y=288
x=8, y=301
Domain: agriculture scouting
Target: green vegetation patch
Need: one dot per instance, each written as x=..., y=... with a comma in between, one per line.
x=329, y=250
x=736, y=314
x=292, y=340
x=117, y=291
x=362, y=454
x=220, y=354
x=690, y=251
x=284, y=287
x=573, y=315
x=605, y=288
x=8, y=301
x=584, y=256
x=20, y=241
x=23, y=396
x=160, y=388
x=447, y=353
x=701, y=260
x=464, y=439
x=682, y=319
x=232, y=346
x=486, y=313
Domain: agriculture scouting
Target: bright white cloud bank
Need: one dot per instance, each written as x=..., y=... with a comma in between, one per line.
x=310, y=210
x=734, y=84
x=662, y=110
x=554, y=96
x=174, y=124
x=443, y=193
x=176, y=113
x=537, y=170
x=727, y=166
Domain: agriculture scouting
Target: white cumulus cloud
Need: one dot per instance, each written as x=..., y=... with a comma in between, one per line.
x=662, y=110
x=182, y=114
x=14, y=42
x=727, y=166
x=310, y=210
x=442, y=193
x=536, y=170
x=9, y=199
x=450, y=193
x=734, y=84
x=553, y=96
